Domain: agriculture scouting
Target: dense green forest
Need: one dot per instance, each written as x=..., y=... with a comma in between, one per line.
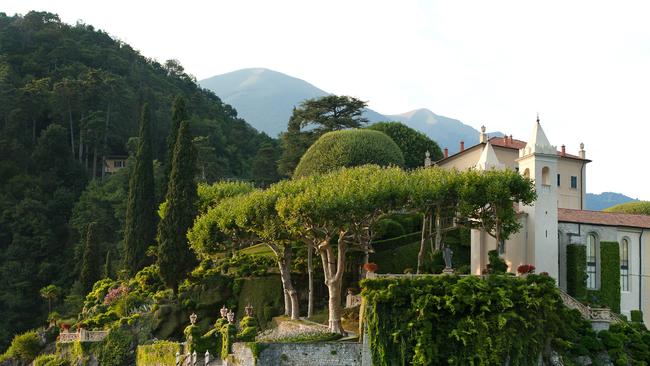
x=71, y=96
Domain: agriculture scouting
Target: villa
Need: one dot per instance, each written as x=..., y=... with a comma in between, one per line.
x=558, y=217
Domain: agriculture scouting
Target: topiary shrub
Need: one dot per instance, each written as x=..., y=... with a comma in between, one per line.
x=576, y=265
x=636, y=316
x=496, y=264
x=413, y=144
x=348, y=148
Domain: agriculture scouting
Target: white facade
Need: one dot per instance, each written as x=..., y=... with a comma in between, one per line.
x=557, y=218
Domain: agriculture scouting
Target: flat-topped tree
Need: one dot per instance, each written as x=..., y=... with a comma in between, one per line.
x=488, y=200
x=205, y=237
x=333, y=209
x=434, y=192
x=256, y=213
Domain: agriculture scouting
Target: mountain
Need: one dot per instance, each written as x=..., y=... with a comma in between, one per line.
x=265, y=99
x=447, y=132
x=604, y=200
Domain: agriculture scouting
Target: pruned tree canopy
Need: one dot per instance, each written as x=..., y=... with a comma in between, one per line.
x=349, y=148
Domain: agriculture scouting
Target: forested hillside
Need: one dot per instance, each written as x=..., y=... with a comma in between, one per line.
x=71, y=96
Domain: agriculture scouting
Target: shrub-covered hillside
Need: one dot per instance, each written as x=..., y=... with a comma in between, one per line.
x=70, y=95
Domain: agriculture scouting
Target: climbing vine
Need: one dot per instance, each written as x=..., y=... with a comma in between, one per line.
x=576, y=265
x=460, y=321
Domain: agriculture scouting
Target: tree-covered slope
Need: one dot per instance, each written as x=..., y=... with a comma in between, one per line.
x=69, y=96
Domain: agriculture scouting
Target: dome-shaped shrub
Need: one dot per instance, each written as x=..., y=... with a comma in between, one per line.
x=348, y=148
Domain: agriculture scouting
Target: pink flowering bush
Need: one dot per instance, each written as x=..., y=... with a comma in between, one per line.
x=115, y=294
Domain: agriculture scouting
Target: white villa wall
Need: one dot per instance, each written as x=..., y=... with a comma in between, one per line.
x=571, y=233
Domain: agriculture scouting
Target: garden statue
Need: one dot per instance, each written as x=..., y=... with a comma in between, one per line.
x=248, y=310
x=231, y=317
x=193, y=318
x=447, y=255
x=224, y=311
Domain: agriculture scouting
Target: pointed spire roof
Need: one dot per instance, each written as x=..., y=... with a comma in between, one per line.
x=488, y=159
x=538, y=142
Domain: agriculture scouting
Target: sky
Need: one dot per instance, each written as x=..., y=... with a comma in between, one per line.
x=584, y=66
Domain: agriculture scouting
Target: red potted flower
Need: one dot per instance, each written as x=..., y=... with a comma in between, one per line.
x=370, y=267
x=525, y=269
x=65, y=327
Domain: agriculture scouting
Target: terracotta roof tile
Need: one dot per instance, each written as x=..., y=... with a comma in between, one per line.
x=603, y=218
x=512, y=144
x=518, y=144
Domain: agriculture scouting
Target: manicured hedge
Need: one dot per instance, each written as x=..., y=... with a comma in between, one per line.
x=576, y=265
x=349, y=148
x=610, y=275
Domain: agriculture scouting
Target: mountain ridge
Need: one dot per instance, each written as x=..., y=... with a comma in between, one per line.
x=265, y=99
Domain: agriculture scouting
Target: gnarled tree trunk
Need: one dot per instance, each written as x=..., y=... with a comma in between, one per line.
x=291, y=301
x=333, y=268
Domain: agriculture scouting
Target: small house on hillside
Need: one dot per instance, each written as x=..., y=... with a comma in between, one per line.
x=113, y=163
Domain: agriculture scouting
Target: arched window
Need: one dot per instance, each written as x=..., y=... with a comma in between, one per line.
x=591, y=261
x=546, y=179
x=625, y=269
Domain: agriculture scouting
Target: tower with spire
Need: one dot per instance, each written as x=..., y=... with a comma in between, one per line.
x=538, y=160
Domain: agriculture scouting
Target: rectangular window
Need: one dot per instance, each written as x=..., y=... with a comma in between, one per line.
x=625, y=270
x=574, y=182
x=591, y=262
x=558, y=180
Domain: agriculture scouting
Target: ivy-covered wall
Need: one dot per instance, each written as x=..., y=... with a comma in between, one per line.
x=461, y=321
x=157, y=354
x=609, y=293
x=448, y=320
x=576, y=265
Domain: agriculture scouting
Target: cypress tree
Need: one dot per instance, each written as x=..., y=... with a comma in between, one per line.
x=175, y=258
x=107, y=265
x=179, y=114
x=140, y=224
x=90, y=260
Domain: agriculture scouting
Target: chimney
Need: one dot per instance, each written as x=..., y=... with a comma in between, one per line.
x=511, y=139
x=505, y=139
x=563, y=150
x=582, y=152
x=462, y=146
x=446, y=153
x=482, y=136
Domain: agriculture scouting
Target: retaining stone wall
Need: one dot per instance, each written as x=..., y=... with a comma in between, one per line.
x=300, y=354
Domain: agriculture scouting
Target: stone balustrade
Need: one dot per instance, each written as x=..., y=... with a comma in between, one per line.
x=83, y=336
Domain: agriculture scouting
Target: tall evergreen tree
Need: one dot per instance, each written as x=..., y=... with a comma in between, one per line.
x=90, y=261
x=175, y=258
x=107, y=265
x=140, y=224
x=179, y=114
